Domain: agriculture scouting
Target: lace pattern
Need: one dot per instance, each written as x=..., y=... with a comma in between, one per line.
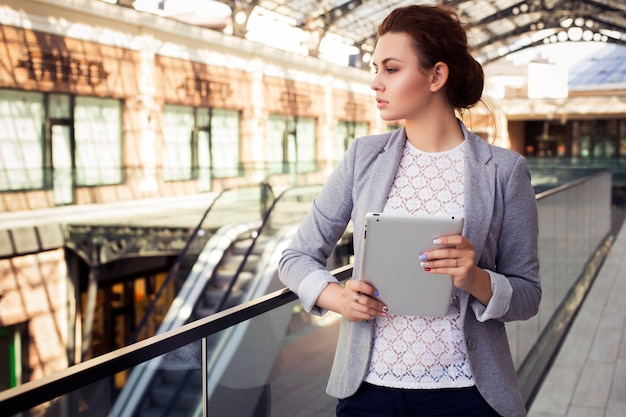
x=423, y=352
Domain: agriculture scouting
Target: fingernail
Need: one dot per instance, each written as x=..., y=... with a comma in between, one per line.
x=423, y=257
x=427, y=269
x=376, y=293
x=423, y=264
x=436, y=241
x=385, y=309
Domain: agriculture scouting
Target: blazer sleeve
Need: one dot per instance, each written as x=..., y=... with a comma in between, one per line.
x=517, y=257
x=302, y=266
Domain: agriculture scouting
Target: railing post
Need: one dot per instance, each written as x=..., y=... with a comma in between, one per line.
x=204, y=375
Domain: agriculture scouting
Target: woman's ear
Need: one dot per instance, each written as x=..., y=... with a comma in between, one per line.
x=439, y=76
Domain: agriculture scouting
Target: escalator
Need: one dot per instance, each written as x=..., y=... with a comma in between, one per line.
x=238, y=263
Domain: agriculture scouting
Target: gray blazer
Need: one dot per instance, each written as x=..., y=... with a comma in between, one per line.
x=500, y=220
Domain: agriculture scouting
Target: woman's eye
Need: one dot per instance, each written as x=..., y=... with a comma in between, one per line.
x=391, y=69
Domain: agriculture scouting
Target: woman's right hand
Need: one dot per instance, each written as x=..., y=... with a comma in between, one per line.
x=356, y=301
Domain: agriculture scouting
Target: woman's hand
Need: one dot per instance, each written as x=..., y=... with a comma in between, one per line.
x=356, y=301
x=459, y=260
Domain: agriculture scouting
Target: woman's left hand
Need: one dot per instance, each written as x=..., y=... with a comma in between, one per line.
x=458, y=259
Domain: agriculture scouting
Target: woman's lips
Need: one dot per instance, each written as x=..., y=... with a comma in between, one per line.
x=380, y=103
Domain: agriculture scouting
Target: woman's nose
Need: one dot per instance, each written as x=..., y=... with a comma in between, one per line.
x=376, y=85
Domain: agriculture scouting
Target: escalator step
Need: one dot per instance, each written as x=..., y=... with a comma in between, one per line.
x=223, y=278
x=230, y=261
x=164, y=396
x=202, y=312
x=241, y=246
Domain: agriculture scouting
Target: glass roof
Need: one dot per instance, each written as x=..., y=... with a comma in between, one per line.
x=496, y=27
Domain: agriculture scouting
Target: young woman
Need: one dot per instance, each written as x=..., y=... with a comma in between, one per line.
x=459, y=364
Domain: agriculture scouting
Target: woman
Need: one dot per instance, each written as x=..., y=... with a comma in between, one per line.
x=460, y=364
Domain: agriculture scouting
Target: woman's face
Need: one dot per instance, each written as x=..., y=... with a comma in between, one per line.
x=403, y=89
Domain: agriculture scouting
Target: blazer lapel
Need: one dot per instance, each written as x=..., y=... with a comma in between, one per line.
x=384, y=171
x=480, y=186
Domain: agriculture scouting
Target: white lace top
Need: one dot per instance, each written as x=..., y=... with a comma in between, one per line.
x=423, y=352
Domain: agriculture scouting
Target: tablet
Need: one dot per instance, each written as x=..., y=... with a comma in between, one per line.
x=392, y=244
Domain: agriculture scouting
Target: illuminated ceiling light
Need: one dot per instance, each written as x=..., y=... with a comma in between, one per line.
x=566, y=23
x=546, y=41
x=146, y=5
x=589, y=23
x=575, y=34
x=597, y=37
x=604, y=38
x=240, y=17
x=587, y=35
x=579, y=21
x=367, y=57
x=553, y=39
x=541, y=25
x=524, y=8
x=562, y=36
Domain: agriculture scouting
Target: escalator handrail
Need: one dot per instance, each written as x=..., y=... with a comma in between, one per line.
x=255, y=237
x=179, y=259
x=172, y=272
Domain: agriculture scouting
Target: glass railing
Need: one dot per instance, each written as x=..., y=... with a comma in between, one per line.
x=574, y=236
x=280, y=359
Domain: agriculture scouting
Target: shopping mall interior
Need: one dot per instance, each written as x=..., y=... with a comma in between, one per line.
x=157, y=156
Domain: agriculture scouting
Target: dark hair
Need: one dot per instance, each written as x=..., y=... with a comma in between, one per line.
x=439, y=36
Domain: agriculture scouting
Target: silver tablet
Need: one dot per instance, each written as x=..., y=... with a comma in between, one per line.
x=392, y=244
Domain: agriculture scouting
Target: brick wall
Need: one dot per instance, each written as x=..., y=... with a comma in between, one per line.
x=34, y=291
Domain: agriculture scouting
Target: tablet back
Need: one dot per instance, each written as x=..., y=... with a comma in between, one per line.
x=390, y=261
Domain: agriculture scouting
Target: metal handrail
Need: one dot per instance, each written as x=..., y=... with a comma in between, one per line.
x=34, y=393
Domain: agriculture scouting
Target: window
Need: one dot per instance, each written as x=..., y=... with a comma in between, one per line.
x=98, y=141
x=13, y=356
x=290, y=144
x=21, y=140
x=225, y=143
x=305, y=144
x=344, y=135
x=178, y=127
x=214, y=152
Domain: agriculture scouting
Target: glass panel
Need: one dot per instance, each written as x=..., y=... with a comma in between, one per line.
x=21, y=142
x=344, y=135
x=97, y=133
x=202, y=117
x=204, y=161
x=225, y=143
x=305, y=137
x=178, y=126
x=59, y=106
x=360, y=129
x=276, y=127
x=341, y=139
x=62, y=165
x=572, y=224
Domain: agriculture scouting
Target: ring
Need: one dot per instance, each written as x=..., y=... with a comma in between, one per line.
x=357, y=297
